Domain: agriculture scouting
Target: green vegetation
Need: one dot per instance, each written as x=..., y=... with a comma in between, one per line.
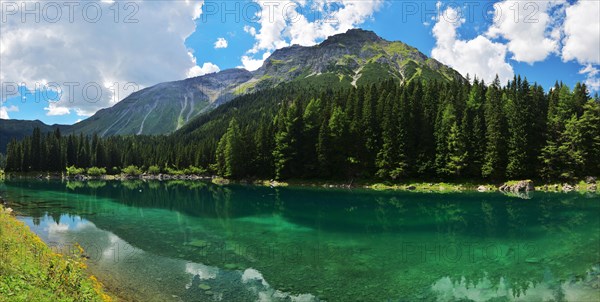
x=399, y=48
x=132, y=170
x=95, y=171
x=72, y=170
x=430, y=130
x=30, y=271
x=153, y=170
x=244, y=88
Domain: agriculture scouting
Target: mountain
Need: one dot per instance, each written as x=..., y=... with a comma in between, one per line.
x=357, y=57
x=19, y=129
x=165, y=107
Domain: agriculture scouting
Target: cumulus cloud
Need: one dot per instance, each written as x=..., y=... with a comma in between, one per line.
x=582, y=33
x=55, y=110
x=477, y=57
x=283, y=23
x=221, y=43
x=582, y=39
x=143, y=45
x=5, y=110
x=592, y=80
x=253, y=64
x=527, y=27
x=206, y=68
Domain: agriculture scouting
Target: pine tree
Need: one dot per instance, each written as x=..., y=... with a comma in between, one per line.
x=495, y=148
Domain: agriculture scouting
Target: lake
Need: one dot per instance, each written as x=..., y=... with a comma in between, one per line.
x=196, y=241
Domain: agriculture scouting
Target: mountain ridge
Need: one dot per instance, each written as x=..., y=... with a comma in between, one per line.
x=356, y=57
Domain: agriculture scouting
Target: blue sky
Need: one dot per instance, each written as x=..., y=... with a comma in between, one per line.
x=538, y=42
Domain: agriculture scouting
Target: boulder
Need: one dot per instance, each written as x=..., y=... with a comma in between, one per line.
x=482, y=189
x=590, y=180
x=411, y=188
x=520, y=186
x=567, y=188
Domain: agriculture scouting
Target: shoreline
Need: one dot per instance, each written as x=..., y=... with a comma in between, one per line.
x=518, y=187
x=31, y=267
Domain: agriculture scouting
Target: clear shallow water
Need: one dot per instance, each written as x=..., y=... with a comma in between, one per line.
x=193, y=241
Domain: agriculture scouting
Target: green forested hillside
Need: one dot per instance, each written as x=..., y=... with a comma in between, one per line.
x=18, y=129
x=391, y=130
x=355, y=58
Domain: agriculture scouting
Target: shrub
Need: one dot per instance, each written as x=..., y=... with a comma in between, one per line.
x=174, y=171
x=132, y=171
x=95, y=171
x=194, y=170
x=72, y=170
x=153, y=170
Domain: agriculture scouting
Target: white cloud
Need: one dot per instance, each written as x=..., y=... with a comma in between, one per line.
x=477, y=57
x=527, y=27
x=251, y=30
x=253, y=64
x=221, y=43
x=582, y=33
x=5, y=110
x=145, y=52
x=196, y=70
x=206, y=68
x=282, y=24
x=592, y=80
x=83, y=112
x=54, y=110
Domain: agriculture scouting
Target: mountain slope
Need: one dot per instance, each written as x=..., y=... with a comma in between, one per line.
x=165, y=107
x=19, y=129
x=357, y=57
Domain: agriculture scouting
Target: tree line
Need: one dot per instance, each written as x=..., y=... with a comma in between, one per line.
x=389, y=130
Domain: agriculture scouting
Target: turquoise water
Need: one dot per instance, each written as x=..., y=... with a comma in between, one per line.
x=195, y=241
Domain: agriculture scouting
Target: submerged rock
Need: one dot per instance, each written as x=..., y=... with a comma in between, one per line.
x=204, y=286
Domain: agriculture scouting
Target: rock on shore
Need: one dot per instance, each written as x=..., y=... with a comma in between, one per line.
x=518, y=187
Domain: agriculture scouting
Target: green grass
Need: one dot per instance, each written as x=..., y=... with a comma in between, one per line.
x=242, y=89
x=31, y=271
x=398, y=48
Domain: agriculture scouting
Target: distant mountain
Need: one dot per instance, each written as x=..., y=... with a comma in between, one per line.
x=18, y=129
x=357, y=57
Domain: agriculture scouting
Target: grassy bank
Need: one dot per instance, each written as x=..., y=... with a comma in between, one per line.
x=31, y=271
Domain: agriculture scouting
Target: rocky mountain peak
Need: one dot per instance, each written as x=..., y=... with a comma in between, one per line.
x=353, y=36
